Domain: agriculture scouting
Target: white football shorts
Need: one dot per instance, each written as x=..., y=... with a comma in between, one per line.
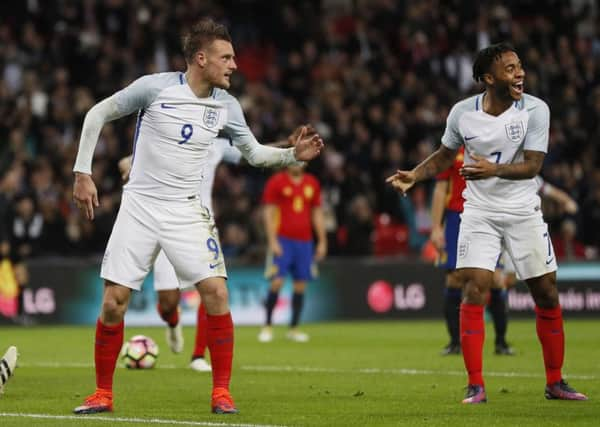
x=526, y=239
x=185, y=230
x=165, y=278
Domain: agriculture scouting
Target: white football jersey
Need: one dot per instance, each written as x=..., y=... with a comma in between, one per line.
x=174, y=132
x=500, y=139
x=221, y=150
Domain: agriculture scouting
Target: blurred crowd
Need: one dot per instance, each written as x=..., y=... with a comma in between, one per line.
x=376, y=77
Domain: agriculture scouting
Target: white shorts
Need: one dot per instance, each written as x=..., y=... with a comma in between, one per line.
x=506, y=262
x=184, y=230
x=165, y=278
x=526, y=239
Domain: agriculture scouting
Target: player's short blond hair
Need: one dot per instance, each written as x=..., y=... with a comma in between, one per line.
x=200, y=35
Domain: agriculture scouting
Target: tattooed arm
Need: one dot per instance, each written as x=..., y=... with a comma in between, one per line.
x=437, y=162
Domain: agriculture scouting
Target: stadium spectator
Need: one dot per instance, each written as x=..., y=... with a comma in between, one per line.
x=377, y=78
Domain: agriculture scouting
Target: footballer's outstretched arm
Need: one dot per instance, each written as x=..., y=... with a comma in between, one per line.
x=307, y=144
x=440, y=160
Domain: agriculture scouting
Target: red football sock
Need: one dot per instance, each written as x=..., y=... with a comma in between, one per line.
x=171, y=318
x=549, y=325
x=201, y=331
x=109, y=340
x=220, y=344
x=472, y=335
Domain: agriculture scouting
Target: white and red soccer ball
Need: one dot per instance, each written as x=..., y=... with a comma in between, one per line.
x=140, y=352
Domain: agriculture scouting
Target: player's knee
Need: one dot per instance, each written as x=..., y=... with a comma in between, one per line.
x=113, y=310
x=276, y=284
x=216, y=293
x=474, y=293
x=167, y=305
x=544, y=291
x=168, y=301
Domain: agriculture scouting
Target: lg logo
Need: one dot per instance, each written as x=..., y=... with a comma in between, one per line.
x=382, y=296
x=39, y=301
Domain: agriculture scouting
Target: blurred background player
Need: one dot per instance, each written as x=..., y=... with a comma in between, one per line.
x=292, y=208
x=165, y=279
x=8, y=363
x=446, y=207
x=505, y=134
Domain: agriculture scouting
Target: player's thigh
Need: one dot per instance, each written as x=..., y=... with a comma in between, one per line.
x=447, y=258
x=133, y=244
x=528, y=242
x=303, y=261
x=165, y=277
x=479, y=242
x=279, y=266
x=190, y=241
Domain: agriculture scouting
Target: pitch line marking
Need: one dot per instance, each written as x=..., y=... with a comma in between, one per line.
x=311, y=369
x=128, y=420
x=399, y=371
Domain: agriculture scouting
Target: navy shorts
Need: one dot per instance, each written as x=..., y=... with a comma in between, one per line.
x=447, y=257
x=297, y=260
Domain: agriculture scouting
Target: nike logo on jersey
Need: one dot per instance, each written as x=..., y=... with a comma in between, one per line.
x=167, y=106
x=214, y=265
x=549, y=261
x=468, y=138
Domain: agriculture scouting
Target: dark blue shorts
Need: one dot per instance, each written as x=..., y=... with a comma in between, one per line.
x=297, y=260
x=447, y=258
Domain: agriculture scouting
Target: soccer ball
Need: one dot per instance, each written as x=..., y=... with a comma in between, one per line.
x=140, y=352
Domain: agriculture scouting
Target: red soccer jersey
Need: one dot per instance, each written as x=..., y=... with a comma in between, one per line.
x=454, y=200
x=294, y=201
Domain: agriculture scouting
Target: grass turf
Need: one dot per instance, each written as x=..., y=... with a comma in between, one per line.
x=349, y=374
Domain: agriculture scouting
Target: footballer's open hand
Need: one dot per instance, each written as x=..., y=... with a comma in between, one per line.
x=85, y=194
x=402, y=181
x=308, y=144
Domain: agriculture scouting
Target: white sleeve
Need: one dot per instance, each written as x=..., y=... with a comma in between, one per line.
x=102, y=112
x=136, y=96
x=538, y=127
x=255, y=153
x=231, y=154
x=451, y=137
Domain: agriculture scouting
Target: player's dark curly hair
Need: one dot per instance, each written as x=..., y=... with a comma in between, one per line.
x=202, y=34
x=485, y=58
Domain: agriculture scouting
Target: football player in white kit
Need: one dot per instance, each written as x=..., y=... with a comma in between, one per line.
x=179, y=116
x=505, y=133
x=165, y=278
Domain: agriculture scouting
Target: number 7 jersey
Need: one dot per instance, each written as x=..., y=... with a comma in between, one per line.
x=500, y=139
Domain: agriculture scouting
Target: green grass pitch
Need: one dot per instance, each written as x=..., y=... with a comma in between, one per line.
x=349, y=374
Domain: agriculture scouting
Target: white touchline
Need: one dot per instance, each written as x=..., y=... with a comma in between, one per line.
x=309, y=369
x=397, y=371
x=129, y=420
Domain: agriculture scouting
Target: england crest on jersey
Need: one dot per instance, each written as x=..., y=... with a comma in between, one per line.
x=211, y=117
x=515, y=131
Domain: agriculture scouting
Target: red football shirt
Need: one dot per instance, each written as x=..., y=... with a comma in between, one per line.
x=454, y=200
x=294, y=201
